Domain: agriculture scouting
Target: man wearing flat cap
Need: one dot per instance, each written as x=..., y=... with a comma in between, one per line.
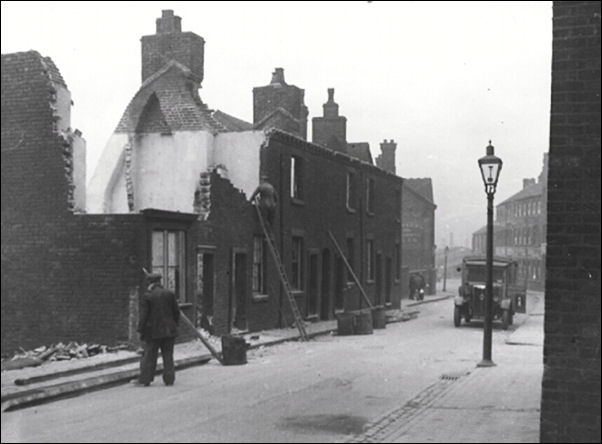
x=158, y=328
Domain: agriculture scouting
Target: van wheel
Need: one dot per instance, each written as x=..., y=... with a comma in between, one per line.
x=457, y=316
x=506, y=319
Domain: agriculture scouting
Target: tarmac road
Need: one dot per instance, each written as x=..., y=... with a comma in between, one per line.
x=330, y=389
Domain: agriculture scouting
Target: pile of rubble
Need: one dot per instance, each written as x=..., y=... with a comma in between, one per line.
x=58, y=352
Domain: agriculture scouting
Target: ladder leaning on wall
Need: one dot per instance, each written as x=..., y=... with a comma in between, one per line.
x=269, y=236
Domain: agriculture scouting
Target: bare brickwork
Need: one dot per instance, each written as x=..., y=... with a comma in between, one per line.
x=570, y=407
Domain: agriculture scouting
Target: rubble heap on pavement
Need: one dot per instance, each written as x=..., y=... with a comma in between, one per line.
x=58, y=352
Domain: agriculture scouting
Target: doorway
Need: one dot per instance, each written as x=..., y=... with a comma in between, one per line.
x=339, y=283
x=379, y=280
x=205, y=289
x=312, y=285
x=388, y=276
x=325, y=286
x=238, y=296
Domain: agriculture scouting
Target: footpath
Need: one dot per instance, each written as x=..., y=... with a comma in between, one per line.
x=55, y=380
x=492, y=404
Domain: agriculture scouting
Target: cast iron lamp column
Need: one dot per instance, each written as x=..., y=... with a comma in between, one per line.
x=490, y=167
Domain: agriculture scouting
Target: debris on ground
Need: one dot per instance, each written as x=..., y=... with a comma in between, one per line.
x=58, y=352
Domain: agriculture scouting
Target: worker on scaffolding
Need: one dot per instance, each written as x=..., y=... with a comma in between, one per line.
x=266, y=197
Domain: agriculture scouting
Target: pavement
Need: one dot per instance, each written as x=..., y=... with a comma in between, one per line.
x=30, y=386
x=484, y=404
x=493, y=404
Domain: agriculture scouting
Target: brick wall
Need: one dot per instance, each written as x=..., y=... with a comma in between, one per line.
x=170, y=43
x=570, y=408
x=418, y=253
x=322, y=208
x=64, y=276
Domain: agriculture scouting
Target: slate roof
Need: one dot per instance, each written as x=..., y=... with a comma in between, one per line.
x=534, y=190
x=422, y=186
x=231, y=123
x=175, y=92
x=361, y=151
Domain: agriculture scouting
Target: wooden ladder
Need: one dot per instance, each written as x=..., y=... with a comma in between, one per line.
x=269, y=236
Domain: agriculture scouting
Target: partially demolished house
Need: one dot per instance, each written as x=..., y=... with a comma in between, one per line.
x=171, y=194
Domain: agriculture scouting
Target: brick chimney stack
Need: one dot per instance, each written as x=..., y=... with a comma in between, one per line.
x=386, y=160
x=170, y=43
x=528, y=182
x=331, y=129
x=280, y=105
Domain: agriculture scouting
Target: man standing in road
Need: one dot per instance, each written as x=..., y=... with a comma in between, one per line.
x=158, y=328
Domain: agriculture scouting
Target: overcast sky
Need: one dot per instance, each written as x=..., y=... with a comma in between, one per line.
x=439, y=78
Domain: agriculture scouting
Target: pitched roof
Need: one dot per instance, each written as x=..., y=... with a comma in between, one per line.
x=422, y=186
x=231, y=123
x=178, y=102
x=361, y=151
x=530, y=191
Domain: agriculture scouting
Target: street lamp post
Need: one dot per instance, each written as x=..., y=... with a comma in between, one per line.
x=490, y=167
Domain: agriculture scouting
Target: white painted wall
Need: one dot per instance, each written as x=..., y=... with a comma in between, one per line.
x=239, y=153
x=99, y=191
x=167, y=168
x=62, y=107
x=79, y=173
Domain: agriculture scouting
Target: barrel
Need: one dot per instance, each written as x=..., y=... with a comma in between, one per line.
x=345, y=324
x=363, y=322
x=234, y=350
x=378, y=317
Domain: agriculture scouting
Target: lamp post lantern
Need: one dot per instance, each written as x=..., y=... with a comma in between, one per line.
x=490, y=167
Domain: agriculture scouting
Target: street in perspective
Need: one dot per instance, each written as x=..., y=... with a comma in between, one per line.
x=414, y=381
x=301, y=222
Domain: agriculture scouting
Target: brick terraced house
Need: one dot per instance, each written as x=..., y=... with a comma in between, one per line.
x=171, y=194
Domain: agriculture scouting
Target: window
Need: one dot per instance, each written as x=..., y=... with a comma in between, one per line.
x=370, y=196
x=350, y=257
x=370, y=259
x=168, y=260
x=297, y=263
x=296, y=177
x=398, y=206
x=259, y=265
x=351, y=191
x=398, y=261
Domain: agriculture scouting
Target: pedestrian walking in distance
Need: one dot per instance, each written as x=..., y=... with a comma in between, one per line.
x=268, y=199
x=158, y=328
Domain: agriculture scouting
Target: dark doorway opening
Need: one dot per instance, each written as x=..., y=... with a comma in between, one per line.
x=238, y=296
x=312, y=286
x=325, y=290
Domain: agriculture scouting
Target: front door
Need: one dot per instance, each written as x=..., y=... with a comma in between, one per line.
x=339, y=284
x=379, y=280
x=325, y=293
x=238, y=296
x=312, y=286
x=388, y=278
x=205, y=289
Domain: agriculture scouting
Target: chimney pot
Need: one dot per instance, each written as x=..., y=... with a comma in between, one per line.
x=278, y=76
